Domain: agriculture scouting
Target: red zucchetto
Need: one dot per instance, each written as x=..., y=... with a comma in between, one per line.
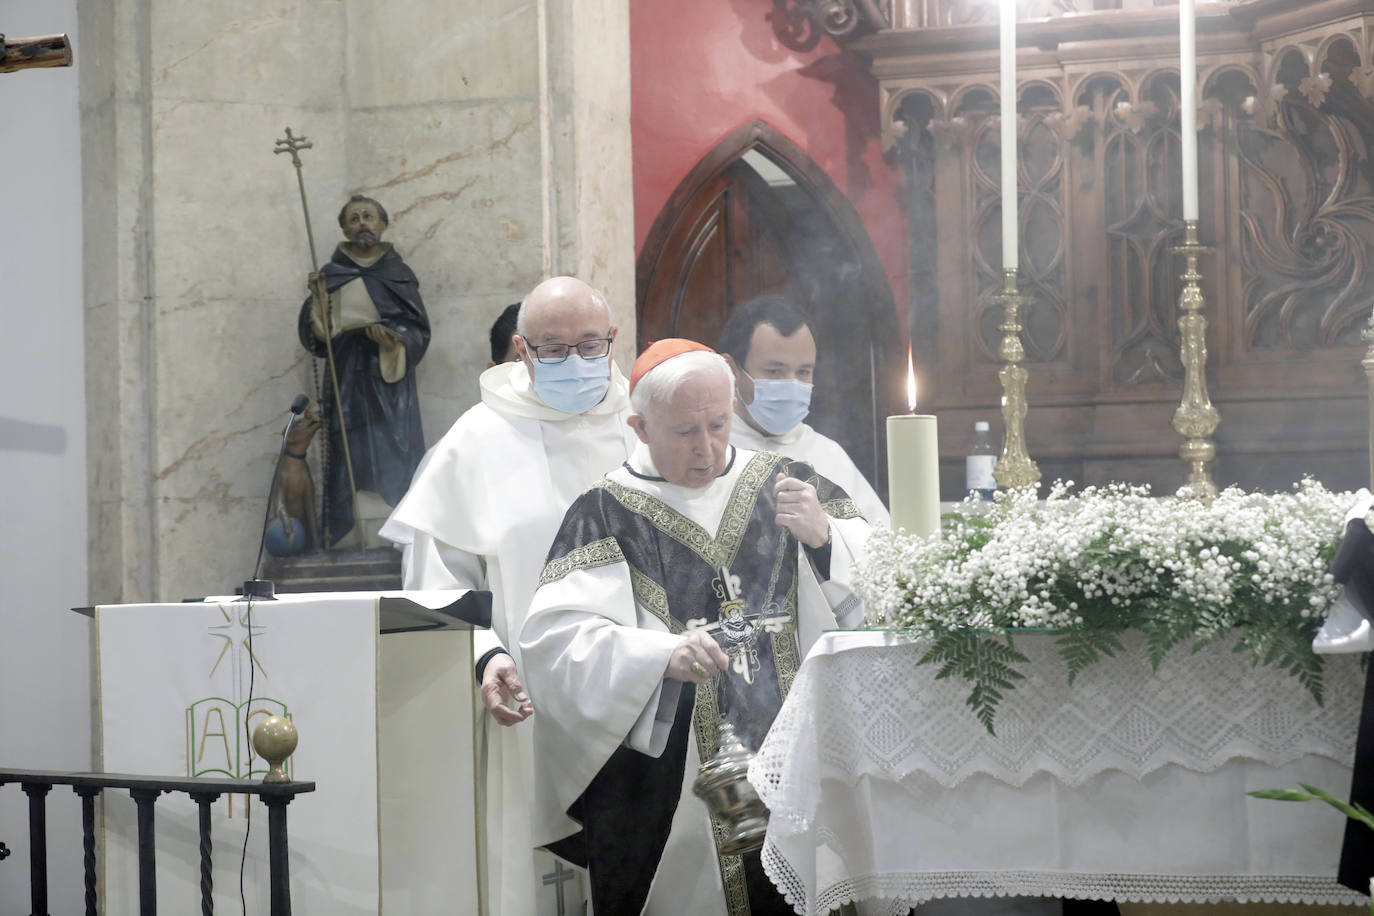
x=661, y=351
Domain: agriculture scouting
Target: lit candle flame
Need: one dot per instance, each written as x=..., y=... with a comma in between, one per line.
x=910, y=382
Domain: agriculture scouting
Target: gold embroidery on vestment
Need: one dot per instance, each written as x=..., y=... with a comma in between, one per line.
x=706, y=721
x=786, y=650
x=841, y=508
x=651, y=596
x=604, y=552
x=716, y=551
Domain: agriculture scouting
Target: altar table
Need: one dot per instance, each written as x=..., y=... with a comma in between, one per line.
x=1130, y=785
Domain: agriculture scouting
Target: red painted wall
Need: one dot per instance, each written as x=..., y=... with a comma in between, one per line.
x=702, y=68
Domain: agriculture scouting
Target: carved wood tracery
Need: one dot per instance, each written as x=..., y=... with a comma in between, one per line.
x=1286, y=163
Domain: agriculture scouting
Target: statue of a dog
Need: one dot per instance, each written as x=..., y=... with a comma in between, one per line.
x=294, y=498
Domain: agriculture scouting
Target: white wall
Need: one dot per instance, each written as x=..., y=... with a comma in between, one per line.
x=45, y=719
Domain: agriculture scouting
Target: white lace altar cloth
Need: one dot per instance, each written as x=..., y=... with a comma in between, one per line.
x=1129, y=785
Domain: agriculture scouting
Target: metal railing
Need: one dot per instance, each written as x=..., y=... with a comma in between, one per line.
x=145, y=790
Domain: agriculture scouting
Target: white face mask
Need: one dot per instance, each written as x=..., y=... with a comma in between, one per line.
x=779, y=404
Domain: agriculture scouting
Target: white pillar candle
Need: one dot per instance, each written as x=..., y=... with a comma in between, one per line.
x=1007, y=21
x=913, y=473
x=913, y=466
x=1187, y=85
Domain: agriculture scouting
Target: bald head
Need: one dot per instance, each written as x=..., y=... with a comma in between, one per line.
x=570, y=324
x=560, y=300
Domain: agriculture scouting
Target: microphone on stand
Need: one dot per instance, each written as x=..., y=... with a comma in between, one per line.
x=262, y=589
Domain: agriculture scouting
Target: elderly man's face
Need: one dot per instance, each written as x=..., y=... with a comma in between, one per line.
x=689, y=435
x=561, y=311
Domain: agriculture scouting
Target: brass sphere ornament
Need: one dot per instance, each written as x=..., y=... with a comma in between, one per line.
x=274, y=739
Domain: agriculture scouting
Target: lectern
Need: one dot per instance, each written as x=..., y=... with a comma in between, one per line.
x=380, y=688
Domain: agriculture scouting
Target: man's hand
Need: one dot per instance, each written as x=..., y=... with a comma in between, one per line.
x=697, y=659
x=799, y=511
x=501, y=686
x=380, y=335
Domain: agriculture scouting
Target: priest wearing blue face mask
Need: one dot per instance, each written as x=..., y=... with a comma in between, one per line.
x=568, y=357
x=482, y=512
x=772, y=351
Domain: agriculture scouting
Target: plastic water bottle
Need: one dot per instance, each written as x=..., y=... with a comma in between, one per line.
x=982, y=458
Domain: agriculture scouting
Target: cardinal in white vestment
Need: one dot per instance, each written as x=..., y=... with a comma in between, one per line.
x=772, y=351
x=631, y=686
x=481, y=513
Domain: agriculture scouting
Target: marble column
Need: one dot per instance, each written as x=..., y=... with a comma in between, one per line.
x=496, y=132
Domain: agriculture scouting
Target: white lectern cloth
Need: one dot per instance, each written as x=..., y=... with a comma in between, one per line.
x=173, y=690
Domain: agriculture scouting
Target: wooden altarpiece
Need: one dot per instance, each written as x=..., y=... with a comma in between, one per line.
x=1287, y=199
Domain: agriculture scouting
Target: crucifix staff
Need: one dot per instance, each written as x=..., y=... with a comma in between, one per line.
x=293, y=145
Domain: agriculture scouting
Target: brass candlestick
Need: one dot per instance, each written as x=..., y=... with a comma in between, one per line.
x=1196, y=419
x=1014, y=467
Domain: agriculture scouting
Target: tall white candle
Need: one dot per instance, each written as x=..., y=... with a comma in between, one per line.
x=913, y=467
x=1187, y=84
x=1007, y=21
x=913, y=473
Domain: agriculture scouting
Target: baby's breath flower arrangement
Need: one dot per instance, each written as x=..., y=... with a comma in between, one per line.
x=1105, y=560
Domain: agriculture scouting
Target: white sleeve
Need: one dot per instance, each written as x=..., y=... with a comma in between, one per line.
x=594, y=667
x=588, y=654
x=832, y=603
x=649, y=734
x=427, y=563
x=848, y=538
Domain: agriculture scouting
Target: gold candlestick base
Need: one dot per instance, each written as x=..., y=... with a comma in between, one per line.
x=1196, y=419
x=1014, y=467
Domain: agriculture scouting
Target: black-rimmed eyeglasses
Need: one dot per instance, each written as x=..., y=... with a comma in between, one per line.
x=595, y=348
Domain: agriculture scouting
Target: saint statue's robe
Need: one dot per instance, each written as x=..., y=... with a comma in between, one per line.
x=481, y=513
x=637, y=562
x=828, y=457
x=377, y=399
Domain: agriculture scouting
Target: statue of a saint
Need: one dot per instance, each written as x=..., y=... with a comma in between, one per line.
x=378, y=330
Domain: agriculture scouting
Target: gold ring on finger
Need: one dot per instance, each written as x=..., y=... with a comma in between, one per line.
x=699, y=669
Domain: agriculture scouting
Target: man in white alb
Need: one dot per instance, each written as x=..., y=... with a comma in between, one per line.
x=769, y=345
x=631, y=687
x=481, y=513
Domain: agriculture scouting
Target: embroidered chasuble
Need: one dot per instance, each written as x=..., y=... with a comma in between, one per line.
x=744, y=578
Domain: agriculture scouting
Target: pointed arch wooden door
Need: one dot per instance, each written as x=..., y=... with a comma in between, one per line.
x=757, y=215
